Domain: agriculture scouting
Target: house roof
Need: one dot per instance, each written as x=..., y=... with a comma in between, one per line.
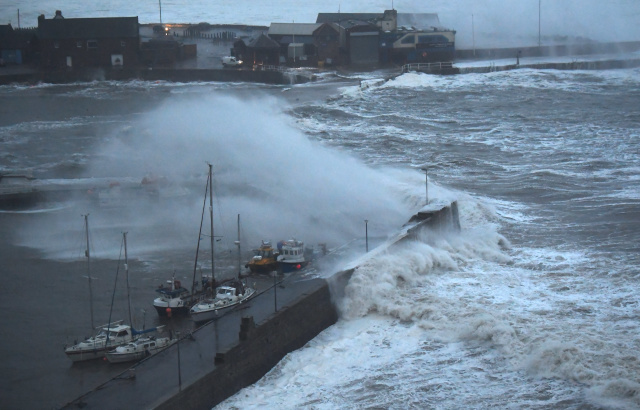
x=331, y=26
x=293, y=29
x=88, y=28
x=15, y=39
x=5, y=29
x=421, y=21
x=263, y=41
x=338, y=17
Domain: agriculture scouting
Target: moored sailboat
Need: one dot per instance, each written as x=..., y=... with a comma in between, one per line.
x=109, y=336
x=229, y=294
x=139, y=348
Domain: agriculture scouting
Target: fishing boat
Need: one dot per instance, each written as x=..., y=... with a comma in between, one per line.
x=139, y=349
x=292, y=256
x=229, y=294
x=264, y=259
x=173, y=299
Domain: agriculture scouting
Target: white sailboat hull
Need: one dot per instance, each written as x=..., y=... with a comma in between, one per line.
x=210, y=310
x=138, y=350
x=91, y=351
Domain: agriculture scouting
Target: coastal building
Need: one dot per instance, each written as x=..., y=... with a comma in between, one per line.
x=260, y=50
x=88, y=42
x=329, y=46
x=399, y=38
x=296, y=42
x=17, y=46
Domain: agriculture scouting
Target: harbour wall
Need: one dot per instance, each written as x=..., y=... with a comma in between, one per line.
x=221, y=358
x=573, y=65
x=156, y=74
x=548, y=51
x=261, y=348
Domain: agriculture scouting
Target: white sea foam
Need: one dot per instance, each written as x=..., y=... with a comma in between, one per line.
x=274, y=165
x=572, y=81
x=513, y=314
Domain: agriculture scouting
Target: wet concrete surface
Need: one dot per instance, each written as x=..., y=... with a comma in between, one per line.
x=154, y=380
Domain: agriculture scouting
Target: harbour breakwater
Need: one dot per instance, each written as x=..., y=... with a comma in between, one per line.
x=265, y=76
x=233, y=352
x=612, y=64
x=557, y=50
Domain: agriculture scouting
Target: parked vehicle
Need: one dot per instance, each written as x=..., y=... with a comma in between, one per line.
x=231, y=62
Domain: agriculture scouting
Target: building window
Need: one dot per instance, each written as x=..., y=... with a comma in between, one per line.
x=408, y=39
x=432, y=39
x=56, y=44
x=123, y=44
x=92, y=44
x=79, y=44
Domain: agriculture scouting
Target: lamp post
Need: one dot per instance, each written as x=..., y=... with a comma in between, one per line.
x=275, y=291
x=539, y=14
x=473, y=35
x=179, y=370
x=366, y=234
x=426, y=183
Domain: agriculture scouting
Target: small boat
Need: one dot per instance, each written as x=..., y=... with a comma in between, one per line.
x=228, y=295
x=172, y=299
x=139, y=349
x=110, y=336
x=292, y=256
x=264, y=260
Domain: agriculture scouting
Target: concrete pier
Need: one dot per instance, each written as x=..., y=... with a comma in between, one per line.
x=222, y=357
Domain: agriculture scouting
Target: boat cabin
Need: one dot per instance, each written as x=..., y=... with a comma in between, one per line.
x=265, y=251
x=225, y=292
x=231, y=290
x=117, y=332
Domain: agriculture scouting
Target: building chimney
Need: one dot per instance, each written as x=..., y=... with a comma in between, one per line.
x=58, y=15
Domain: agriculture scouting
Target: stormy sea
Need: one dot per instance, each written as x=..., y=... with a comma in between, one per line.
x=534, y=304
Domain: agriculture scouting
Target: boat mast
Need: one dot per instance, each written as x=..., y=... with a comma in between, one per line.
x=87, y=253
x=213, y=274
x=126, y=271
x=195, y=264
x=238, y=243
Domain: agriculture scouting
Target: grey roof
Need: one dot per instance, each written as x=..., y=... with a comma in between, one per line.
x=263, y=41
x=5, y=29
x=295, y=29
x=421, y=21
x=89, y=28
x=338, y=17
